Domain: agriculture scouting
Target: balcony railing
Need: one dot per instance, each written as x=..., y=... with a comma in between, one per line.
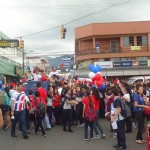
x=110, y=50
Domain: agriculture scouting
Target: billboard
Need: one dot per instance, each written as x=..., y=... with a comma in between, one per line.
x=135, y=48
x=9, y=43
x=67, y=62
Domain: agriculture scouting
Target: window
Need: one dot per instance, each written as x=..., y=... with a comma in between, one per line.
x=128, y=41
x=142, y=40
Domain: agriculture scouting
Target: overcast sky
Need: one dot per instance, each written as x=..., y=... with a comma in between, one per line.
x=24, y=17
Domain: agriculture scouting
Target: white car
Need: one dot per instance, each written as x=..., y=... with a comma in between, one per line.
x=136, y=79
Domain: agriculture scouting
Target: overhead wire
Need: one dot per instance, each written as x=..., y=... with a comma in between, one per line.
x=99, y=11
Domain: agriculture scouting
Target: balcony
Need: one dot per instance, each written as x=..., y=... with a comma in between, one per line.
x=112, y=52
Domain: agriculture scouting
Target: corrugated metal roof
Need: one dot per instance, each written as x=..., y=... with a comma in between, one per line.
x=4, y=36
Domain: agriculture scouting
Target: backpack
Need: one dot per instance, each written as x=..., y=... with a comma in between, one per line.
x=125, y=109
x=40, y=109
x=90, y=114
x=2, y=97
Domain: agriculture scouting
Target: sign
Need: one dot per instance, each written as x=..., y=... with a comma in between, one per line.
x=135, y=48
x=143, y=63
x=104, y=64
x=117, y=64
x=135, y=63
x=18, y=70
x=67, y=62
x=9, y=43
x=84, y=64
x=148, y=63
x=126, y=63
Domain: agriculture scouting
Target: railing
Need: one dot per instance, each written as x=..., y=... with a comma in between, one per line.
x=109, y=50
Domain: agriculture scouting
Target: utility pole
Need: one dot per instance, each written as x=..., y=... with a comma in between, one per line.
x=22, y=48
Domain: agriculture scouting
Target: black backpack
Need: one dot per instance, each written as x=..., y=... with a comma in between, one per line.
x=41, y=112
x=125, y=110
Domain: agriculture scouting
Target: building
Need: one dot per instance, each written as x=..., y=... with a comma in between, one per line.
x=11, y=59
x=121, y=48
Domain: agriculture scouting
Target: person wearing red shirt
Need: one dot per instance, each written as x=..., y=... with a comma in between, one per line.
x=42, y=91
x=36, y=101
x=56, y=106
x=96, y=101
x=87, y=103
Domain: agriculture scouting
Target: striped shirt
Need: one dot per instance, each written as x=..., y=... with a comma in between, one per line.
x=20, y=100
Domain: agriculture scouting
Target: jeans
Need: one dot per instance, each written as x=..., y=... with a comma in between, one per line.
x=90, y=124
x=121, y=139
x=97, y=125
x=21, y=117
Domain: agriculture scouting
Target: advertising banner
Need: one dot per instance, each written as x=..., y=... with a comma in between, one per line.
x=135, y=63
x=84, y=64
x=143, y=63
x=148, y=63
x=135, y=48
x=117, y=64
x=126, y=64
x=104, y=64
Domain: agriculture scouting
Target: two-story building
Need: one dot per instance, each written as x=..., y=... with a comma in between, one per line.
x=121, y=48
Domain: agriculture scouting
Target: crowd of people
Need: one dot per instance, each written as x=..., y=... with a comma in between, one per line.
x=73, y=102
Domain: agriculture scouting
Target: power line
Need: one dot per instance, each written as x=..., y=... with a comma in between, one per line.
x=99, y=11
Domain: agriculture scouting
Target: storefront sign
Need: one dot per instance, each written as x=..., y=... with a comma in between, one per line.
x=18, y=70
x=9, y=43
x=126, y=63
x=143, y=63
x=117, y=64
x=104, y=64
x=84, y=64
x=135, y=48
x=135, y=63
x=148, y=63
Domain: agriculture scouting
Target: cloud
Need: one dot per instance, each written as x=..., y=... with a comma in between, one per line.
x=23, y=17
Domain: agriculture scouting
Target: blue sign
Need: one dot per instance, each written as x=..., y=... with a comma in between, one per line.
x=126, y=64
x=67, y=62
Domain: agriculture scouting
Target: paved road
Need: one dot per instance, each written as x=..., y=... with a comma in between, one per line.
x=58, y=140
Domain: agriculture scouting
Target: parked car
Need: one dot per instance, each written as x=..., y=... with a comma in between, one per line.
x=137, y=79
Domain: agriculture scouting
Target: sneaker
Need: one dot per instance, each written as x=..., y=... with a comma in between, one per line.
x=91, y=139
x=28, y=131
x=103, y=135
x=97, y=136
x=43, y=136
x=86, y=140
x=34, y=132
x=78, y=126
x=26, y=137
x=134, y=125
x=70, y=130
x=4, y=128
x=82, y=125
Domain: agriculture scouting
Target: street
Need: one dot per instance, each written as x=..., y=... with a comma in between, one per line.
x=58, y=140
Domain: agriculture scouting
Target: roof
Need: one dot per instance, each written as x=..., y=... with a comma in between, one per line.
x=112, y=28
x=4, y=36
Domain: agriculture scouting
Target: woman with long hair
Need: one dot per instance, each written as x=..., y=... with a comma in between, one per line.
x=96, y=101
x=88, y=104
x=139, y=106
